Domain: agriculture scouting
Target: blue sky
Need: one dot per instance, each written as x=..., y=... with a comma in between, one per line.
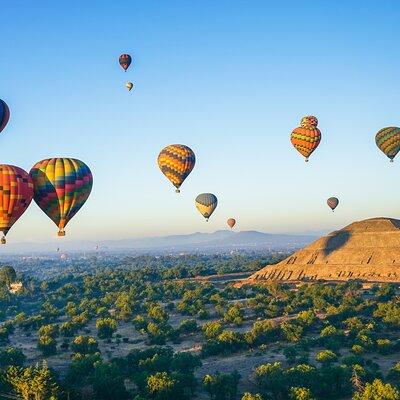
x=230, y=79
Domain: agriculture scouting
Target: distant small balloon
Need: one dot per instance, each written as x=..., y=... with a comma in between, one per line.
x=129, y=85
x=231, y=222
x=307, y=136
x=332, y=202
x=125, y=61
x=4, y=114
x=206, y=203
x=388, y=141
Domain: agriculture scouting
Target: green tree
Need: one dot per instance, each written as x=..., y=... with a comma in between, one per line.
x=300, y=393
x=221, y=386
x=106, y=327
x=107, y=381
x=36, y=383
x=212, y=329
x=161, y=386
x=84, y=345
x=7, y=276
x=377, y=390
x=249, y=396
x=11, y=357
x=47, y=345
x=326, y=357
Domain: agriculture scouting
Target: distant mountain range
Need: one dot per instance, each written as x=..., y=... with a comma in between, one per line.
x=208, y=242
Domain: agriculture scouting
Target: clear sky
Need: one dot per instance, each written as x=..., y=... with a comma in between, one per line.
x=230, y=79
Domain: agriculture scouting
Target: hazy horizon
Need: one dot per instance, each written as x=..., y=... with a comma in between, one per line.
x=230, y=80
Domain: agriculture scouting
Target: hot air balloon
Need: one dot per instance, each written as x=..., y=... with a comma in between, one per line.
x=61, y=187
x=176, y=161
x=129, y=85
x=125, y=61
x=307, y=136
x=16, y=192
x=206, y=203
x=231, y=222
x=4, y=114
x=388, y=140
x=332, y=202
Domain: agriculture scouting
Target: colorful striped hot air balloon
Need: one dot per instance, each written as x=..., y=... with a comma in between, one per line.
x=4, y=114
x=206, y=203
x=388, y=140
x=125, y=61
x=61, y=187
x=231, y=222
x=16, y=192
x=307, y=136
x=332, y=202
x=176, y=162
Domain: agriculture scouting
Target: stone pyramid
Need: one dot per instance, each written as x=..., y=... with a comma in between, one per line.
x=367, y=250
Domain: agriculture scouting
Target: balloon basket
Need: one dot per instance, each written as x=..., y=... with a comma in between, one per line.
x=61, y=233
x=177, y=191
x=3, y=240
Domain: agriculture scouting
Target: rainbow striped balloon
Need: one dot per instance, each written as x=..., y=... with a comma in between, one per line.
x=388, y=141
x=61, y=187
x=16, y=192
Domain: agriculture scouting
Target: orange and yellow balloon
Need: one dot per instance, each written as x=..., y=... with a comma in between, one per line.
x=176, y=162
x=61, y=188
x=16, y=192
x=306, y=137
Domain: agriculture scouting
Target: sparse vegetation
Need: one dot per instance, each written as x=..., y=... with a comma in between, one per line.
x=141, y=333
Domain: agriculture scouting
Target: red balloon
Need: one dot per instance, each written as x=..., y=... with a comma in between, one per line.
x=125, y=61
x=231, y=222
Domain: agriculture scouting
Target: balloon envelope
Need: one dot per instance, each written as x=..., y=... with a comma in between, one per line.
x=332, y=202
x=176, y=162
x=61, y=187
x=231, y=222
x=16, y=192
x=4, y=114
x=129, y=85
x=388, y=141
x=206, y=203
x=307, y=136
x=125, y=61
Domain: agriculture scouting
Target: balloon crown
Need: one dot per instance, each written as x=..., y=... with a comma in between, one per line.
x=308, y=121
